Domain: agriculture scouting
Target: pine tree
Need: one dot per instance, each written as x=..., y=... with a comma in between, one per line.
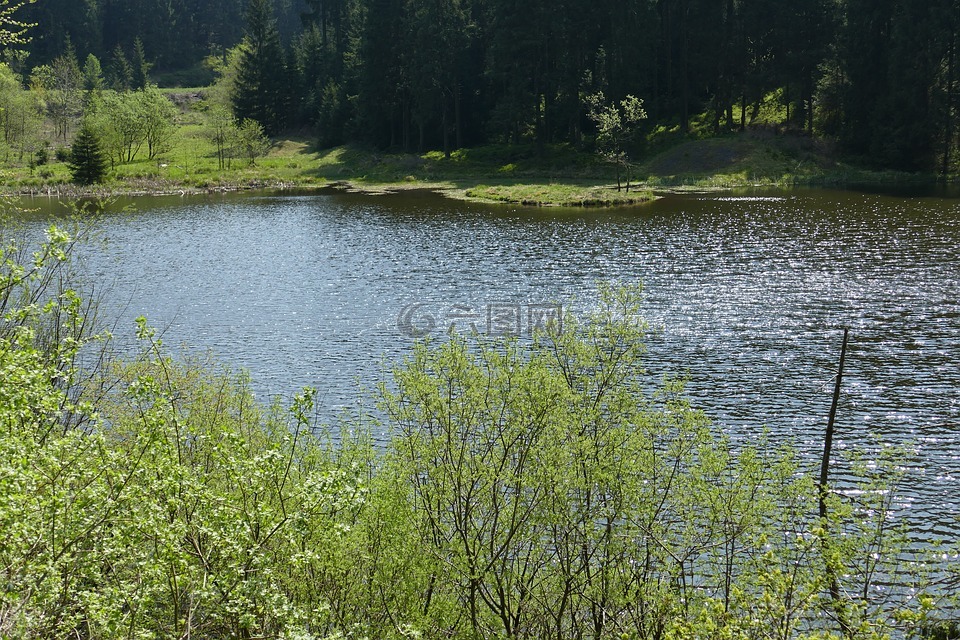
x=383, y=103
x=439, y=30
x=92, y=75
x=87, y=162
x=260, y=92
x=140, y=67
x=121, y=74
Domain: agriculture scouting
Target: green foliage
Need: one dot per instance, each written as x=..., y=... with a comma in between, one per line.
x=12, y=30
x=118, y=125
x=120, y=76
x=158, y=115
x=140, y=76
x=448, y=74
x=562, y=498
x=88, y=162
x=130, y=120
x=530, y=489
x=192, y=512
x=221, y=130
x=878, y=77
x=616, y=128
x=93, y=75
x=251, y=140
x=261, y=89
x=20, y=119
x=225, y=68
x=233, y=139
x=60, y=85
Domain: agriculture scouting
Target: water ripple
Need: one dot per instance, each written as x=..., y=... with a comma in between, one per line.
x=748, y=294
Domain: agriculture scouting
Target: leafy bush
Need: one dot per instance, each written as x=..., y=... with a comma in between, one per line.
x=531, y=490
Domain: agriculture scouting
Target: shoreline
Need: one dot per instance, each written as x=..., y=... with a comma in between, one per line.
x=531, y=193
x=587, y=196
x=512, y=176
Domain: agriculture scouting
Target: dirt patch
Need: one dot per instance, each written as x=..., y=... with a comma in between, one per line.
x=185, y=100
x=699, y=157
x=760, y=154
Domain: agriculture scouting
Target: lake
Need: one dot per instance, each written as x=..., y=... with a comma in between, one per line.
x=746, y=291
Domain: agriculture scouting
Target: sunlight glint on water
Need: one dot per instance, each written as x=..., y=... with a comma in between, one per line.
x=747, y=293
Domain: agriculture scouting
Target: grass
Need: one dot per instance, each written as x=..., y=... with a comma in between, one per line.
x=515, y=174
x=557, y=194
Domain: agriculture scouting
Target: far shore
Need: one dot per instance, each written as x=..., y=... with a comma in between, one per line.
x=508, y=175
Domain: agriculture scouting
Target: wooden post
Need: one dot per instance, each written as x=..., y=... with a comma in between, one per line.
x=828, y=441
x=835, y=596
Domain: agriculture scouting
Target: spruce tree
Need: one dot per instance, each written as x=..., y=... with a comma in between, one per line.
x=140, y=67
x=92, y=75
x=260, y=92
x=87, y=162
x=383, y=96
x=121, y=74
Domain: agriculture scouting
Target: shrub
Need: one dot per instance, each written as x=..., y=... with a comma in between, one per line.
x=531, y=490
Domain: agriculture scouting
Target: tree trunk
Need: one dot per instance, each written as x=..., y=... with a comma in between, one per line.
x=948, y=125
x=834, y=585
x=446, y=129
x=786, y=99
x=684, y=69
x=458, y=122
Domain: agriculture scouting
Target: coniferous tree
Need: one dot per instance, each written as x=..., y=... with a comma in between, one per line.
x=328, y=64
x=140, y=67
x=88, y=162
x=120, y=76
x=438, y=38
x=260, y=92
x=916, y=57
x=517, y=66
x=945, y=102
x=92, y=75
x=879, y=76
x=384, y=97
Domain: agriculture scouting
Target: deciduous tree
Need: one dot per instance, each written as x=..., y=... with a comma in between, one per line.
x=20, y=114
x=616, y=128
x=13, y=30
x=158, y=115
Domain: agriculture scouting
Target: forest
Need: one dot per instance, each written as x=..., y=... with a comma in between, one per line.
x=877, y=77
x=544, y=488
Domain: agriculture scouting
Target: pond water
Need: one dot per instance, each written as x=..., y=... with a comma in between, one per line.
x=748, y=292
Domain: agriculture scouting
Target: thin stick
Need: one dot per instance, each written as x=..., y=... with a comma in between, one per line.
x=828, y=442
x=835, y=595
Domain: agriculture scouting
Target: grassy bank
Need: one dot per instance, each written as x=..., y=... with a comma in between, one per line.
x=510, y=174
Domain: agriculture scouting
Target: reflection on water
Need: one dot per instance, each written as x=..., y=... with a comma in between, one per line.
x=748, y=293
